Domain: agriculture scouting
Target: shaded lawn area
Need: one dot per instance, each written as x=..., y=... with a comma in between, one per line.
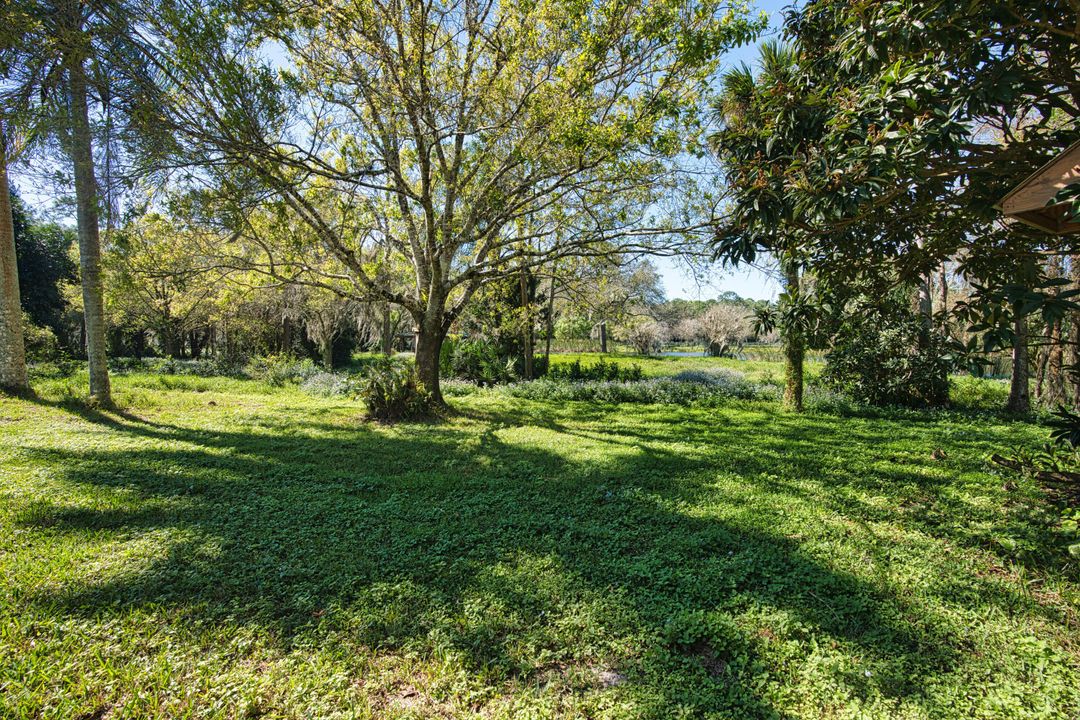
x=224, y=549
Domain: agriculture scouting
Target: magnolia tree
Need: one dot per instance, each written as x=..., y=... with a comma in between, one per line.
x=461, y=140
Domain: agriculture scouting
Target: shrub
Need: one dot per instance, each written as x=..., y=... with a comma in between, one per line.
x=972, y=393
x=202, y=367
x=601, y=370
x=329, y=384
x=877, y=358
x=40, y=342
x=393, y=391
x=280, y=369
x=647, y=337
x=478, y=361
x=709, y=389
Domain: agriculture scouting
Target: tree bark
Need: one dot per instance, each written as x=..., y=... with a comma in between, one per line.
x=1019, y=398
x=328, y=352
x=527, y=328
x=603, y=336
x=550, y=320
x=286, y=335
x=429, y=340
x=1040, y=372
x=170, y=340
x=86, y=198
x=13, y=376
x=138, y=343
x=1055, y=351
x=794, y=348
x=386, y=337
x=1074, y=334
x=1055, y=376
x=924, y=307
x=943, y=293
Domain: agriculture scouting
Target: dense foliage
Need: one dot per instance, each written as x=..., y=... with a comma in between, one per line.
x=600, y=370
x=393, y=391
x=890, y=358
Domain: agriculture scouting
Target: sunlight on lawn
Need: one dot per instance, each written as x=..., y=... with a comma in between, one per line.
x=271, y=553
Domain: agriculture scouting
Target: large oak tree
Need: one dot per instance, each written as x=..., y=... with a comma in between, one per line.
x=463, y=139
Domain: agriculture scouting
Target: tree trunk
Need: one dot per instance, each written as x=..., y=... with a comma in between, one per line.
x=603, y=336
x=943, y=293
x=527, y=329
x=386, y=338
x=1074, y=334
x=171, y=344
x=1040, y=372
x=1055, y=350
x=550, y=321
x=12, y=350
x=924, y=307
x=429, y=340
x=286, y=335
x=794, y=349
x=328, y=353
x=86, y=199
x=1019, y=399
x=1055, y=376
x=138, y=344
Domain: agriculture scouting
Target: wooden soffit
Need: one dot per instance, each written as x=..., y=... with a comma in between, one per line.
x=1032, y=201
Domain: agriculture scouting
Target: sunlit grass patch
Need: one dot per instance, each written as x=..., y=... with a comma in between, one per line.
x=220, y=548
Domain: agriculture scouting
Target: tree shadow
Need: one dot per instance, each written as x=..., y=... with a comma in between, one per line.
x=497, y=551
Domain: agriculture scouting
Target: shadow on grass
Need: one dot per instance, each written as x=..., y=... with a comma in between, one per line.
x=508, y=556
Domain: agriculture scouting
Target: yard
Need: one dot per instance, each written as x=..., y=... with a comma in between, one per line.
x=223, y=548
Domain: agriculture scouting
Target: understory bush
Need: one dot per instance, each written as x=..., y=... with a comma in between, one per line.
x=690, y=388
x=477, y=361
x=393, y=391
x=40, y=342
x=600, y=370
x=201, y=367
x=280, y=369
x=883, y=359
x=329, y=384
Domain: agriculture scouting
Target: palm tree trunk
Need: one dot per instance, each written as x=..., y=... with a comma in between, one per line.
x=86, y=199
x=12, y=351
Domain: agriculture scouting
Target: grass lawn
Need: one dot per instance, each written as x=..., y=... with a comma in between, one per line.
x=225, y=549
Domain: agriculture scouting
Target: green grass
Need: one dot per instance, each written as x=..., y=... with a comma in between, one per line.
x=220, y=548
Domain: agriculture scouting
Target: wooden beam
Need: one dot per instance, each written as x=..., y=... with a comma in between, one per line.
x=1038, y=190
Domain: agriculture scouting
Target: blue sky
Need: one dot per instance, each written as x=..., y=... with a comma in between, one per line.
x=748, y=282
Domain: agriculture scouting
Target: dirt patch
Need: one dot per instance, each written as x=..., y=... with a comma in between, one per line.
x=706, y=654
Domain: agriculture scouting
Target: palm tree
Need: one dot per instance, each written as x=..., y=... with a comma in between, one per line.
x=61, y=60
x=12, y=353
x=765, y=118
